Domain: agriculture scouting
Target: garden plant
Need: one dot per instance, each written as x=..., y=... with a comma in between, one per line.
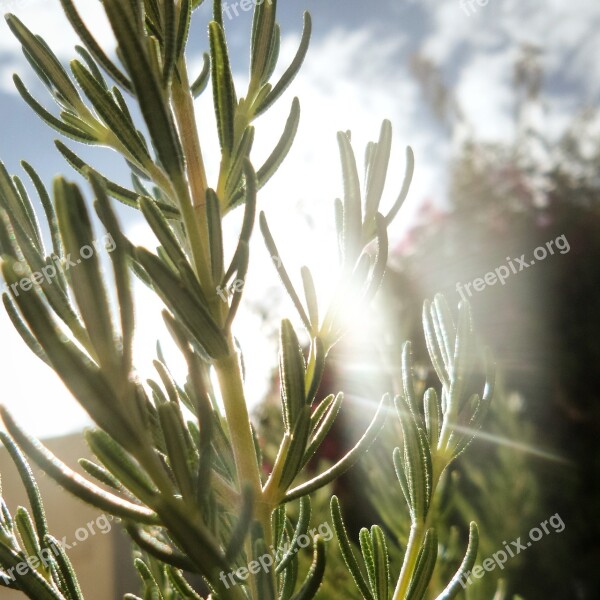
x=179, y=463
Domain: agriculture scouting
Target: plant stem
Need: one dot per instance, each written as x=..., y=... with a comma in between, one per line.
x=418, y=532
x=415, y=540
x=248, y=470
x=192, y=193
x=186, y=121
x=238, y=419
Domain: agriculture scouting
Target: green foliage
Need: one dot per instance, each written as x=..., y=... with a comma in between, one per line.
x=184, y=475
x=434, y=432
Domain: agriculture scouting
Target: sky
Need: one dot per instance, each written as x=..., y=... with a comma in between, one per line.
x=357, y=73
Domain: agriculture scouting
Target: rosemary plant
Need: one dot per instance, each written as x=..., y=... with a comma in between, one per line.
x=182, y=471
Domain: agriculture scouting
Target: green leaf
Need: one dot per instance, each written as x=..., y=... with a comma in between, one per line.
x=408, y=378
x=273, y=56
x=381, y=563
x=433, y=347
x=184, y=589
x=31, y=583
x=215, y=234
x=45, y=60
x=183, y=27
x=279, y=153
x=292, y=369
x=381, y=259
x=7, y=237
x=339, y=227
x=378, y=171
x=263, y=580
x=120, y=262
x=70, y=131
x=86, y=278
x=91, y=44
x=194, y=315
x=241, y=262
x=31, y=487
x=47, y=206
x=42, y=274
x=424, y=567
x=147, y=88
x=310, y=294
x=151, y=587
x=114, y=190
x=241, y=155
x=249, y=218
x=92, y=66
x=346, y=550
x=122, y=104
x=13, y=203
x=366, y=548
x=170, y=41
x=292, y=70
x=311, y=585
x=263, y=39
x=110, y=112
x=322, y=428
x=455, y=585
x=162, y=230
x=72, y=481
x=121, y=464
x=163, y=552
x=348, y=461
x=283, y=146
x=200, y=83
x=399, y=466
x=352, y=201
x=66, y=569
x=289, y=579
x=223, y=87
x=301, y=529
x=433, y=417
x=217, y=12
x=417, y=460
x=23, y=330
x=296, y=448
x=178, y=451
x=410, y=169
x=319, y=352
x=281, y=271
x=444, y=330
x=26, y=532
x=100, y=473
x=30, y=218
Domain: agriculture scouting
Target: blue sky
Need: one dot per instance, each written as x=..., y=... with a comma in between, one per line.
x=357, y=73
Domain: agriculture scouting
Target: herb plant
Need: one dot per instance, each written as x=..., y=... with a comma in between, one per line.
x=179, y=463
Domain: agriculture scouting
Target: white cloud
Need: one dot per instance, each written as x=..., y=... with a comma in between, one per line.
x=478, y=53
